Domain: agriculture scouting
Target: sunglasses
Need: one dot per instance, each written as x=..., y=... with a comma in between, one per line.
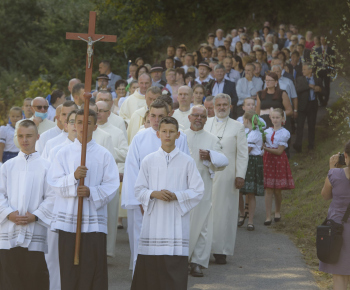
x=40, y=107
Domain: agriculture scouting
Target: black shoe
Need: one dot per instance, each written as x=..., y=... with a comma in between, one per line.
x=267, y=223
x=196, y=270
x=297, y=148
x=277, y=219
x=220, y=259
x=120, y=227
x=241, y=223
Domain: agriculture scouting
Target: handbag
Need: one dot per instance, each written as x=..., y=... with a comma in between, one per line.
x=329, y=239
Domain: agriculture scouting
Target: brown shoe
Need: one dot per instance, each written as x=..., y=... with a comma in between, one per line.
x=196, y=270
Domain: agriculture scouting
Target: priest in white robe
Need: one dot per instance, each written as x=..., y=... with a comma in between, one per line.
x=100, y=186
x=184, y=98
x=167, y=201
x=52, y=133
x=137, y=99
x=26, y=203
x=206, y=150
x=136, y=119
x=227, y=182
x=144, y=143
x=121, y=149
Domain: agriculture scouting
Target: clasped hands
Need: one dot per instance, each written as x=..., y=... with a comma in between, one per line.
x=80, y=172
x=21, y=219
x=164, y=195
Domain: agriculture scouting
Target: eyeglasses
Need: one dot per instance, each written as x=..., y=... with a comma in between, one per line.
x=40, y=107
x=197, y=115
x=102, y=111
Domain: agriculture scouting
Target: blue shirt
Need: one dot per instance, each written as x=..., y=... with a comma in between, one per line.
x=311, y=81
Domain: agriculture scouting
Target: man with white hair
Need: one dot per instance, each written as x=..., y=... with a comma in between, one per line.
x=184, y=98
x=219, y=39
x=206, y=150
x=227, y=182
x=39, y=107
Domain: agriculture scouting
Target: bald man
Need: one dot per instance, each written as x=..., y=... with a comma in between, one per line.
x=52, y=133
x=71, y=84
x=184, y=98
x=137, y=99
x=39, y=107
x=114, y=119
x=121, y=149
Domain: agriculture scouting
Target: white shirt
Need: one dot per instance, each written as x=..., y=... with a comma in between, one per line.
x=246, y=47
x=218, y=42
x=234, y=40
x=143, y=143
x=209, y=77
x=246, y=89
x=233, y=76
x=218, y=87
x=167, y=234
x=255, y=141
x=23, y=187
x=51, y=113
x=182, y=118
x=280, y=138
x=6, y=136
x=57, y=148
x=185, y=67
x=59, y=139
x=102, y=179
x=46, y=136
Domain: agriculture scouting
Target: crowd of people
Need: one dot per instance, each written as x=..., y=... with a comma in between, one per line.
x=180, y=148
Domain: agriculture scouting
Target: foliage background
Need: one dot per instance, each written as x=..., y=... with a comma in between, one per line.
x=33, y=45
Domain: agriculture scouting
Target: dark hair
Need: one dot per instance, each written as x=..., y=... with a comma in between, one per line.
x=92, y=113
x=138, y=71
x=27, y=123
x=56, y=94
x=283, y=54
x=70, y=114
x=137, y=59
x=167, y=99
x=158, y=104
x=172, y=46
x=236, y=46
x=68, y=104
x=181, y=71
x=222, y=47
x=132, y=64
x=180, y=47
x=77, y=87
x=301, y=45
x=106, y=62
x=295, y=53
x=266, y=27
x=239, y=60
x=199, y=86
x=278, y=92
x=208, y=48
x=120, y=82
x=169, y=120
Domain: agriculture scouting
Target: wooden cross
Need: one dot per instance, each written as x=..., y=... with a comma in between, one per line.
x=90, y=38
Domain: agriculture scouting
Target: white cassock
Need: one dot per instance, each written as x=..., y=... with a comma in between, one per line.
x=201, y=234
x=135, y=123
x=43, y=127
x=131, y=104
x=46, y=136
x=225, y=194
x=166, y=225
x=144, y=143
x=23, y=187
x=118, y=122
x=59, y=139
x=57, y=148
x=182, y=118
x=121, y=149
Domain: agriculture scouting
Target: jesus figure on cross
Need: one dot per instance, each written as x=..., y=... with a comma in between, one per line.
x=90, y=50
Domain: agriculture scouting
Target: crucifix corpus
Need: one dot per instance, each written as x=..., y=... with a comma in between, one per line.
x=90, y=38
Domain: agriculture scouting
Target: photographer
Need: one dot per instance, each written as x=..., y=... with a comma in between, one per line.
x=337, y=188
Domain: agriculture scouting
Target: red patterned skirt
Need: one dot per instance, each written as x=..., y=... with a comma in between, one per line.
x=277, y=172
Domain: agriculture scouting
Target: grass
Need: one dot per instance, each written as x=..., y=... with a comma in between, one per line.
x=304, y=208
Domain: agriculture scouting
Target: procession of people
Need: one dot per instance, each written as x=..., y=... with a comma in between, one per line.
x=180, y=148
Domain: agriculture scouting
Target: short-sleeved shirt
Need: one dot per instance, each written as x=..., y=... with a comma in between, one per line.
x=255, y=141
x=268, y=102
x=280, y=138
x=6, y=136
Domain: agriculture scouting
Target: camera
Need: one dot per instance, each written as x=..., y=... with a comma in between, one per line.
x=341, y=160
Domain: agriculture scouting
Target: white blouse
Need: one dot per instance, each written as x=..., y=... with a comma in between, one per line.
x=280, y=138
x=6, y=136
x=255, y=141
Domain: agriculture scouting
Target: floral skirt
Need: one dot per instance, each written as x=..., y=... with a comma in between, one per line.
x=254, y=178
x=277, y=173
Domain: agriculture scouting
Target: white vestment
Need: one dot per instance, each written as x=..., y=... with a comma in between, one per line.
x=46, y=136
x=201, y=234
x=144, y=143
x=225, y=195
x=118, y=122
x=43, y=127
x=23, y=187
x=135, y=123
x=131, y=104
x=182, y=118
x=121, y=149
x=166, y=225
x=59, y=139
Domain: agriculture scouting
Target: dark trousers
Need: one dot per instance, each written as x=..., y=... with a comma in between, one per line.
x=326, y=81
x=160, y=273
x=91, y=273
x=23, y=269
x=310, y=113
